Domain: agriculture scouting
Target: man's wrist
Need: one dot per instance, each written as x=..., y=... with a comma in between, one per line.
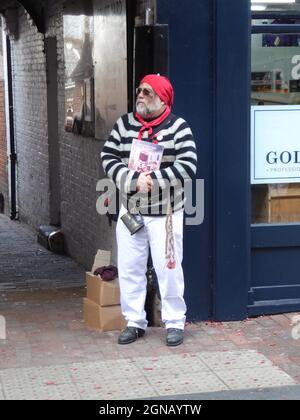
x=131, y=181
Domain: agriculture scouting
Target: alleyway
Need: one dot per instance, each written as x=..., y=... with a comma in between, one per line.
x=26, y=265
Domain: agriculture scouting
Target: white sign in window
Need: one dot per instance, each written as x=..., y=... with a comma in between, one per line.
x=275, y=144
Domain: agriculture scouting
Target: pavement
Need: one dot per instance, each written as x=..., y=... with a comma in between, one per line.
x=46, y=352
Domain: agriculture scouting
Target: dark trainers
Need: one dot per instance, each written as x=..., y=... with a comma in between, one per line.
x=130, y=334
x=174, y=336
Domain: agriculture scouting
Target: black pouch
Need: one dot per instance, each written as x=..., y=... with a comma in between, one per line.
x=133, y=222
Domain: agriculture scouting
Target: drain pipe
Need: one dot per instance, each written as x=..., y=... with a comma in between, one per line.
x=13, y=155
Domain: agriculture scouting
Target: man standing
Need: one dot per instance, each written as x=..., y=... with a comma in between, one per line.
x=161, y=212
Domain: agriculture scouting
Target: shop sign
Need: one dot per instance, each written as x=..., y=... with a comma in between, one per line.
x=275, y=144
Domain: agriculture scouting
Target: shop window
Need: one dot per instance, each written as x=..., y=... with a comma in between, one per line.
x=275, y=100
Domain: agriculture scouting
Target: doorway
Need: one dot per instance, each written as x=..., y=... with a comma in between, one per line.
x=275, y=160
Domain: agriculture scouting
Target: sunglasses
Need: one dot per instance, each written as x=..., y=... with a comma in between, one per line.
x=146, y=92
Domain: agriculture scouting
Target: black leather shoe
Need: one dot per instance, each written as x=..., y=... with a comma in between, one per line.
x=130, y=334
x=174, y=336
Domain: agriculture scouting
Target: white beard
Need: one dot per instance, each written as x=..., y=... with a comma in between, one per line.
x=146, y=110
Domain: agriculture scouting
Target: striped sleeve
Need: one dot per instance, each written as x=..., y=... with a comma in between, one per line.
x=113, y=166
x=185, y=165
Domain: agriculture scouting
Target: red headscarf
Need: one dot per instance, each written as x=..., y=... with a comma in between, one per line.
x=163, y=88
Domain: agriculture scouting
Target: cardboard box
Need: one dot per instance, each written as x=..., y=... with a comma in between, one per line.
x=101, y=307
x=104, y=293
x=108, y=318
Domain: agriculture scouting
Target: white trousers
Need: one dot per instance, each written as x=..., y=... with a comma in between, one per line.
x=132, y=267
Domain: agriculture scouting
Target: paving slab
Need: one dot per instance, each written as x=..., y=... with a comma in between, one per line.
x=142, y=377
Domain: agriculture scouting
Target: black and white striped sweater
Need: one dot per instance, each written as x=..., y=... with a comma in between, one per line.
x=178, y=164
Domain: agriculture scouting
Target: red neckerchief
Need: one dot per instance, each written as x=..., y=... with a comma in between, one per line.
x=147, y=125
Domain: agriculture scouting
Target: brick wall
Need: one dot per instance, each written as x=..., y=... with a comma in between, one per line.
x=3, y=152
x=3, y=149
x=30, y=114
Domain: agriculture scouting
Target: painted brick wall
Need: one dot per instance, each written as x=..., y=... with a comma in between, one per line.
x=30, y=114
x=3, y=149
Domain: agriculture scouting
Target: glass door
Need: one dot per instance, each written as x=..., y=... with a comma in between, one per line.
x=275, y=157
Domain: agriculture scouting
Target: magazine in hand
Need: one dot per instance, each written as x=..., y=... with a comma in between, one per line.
x=145, y=156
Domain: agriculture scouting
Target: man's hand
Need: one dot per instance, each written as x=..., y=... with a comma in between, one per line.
x=144, y=182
